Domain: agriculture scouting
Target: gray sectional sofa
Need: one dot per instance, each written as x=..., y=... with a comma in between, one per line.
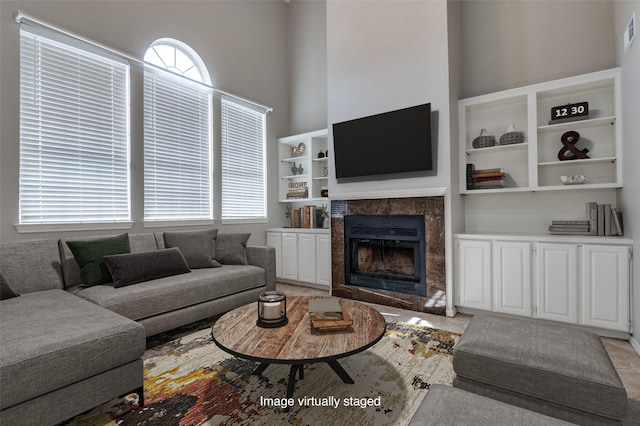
x=66, y=348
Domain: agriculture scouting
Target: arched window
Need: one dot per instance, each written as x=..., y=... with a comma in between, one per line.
x=177, y=134
x=177, y=57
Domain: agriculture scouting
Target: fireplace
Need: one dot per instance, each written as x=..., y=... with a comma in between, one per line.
x=386, y=253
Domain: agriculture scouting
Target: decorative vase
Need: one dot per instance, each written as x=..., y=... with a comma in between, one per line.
x=512, y=136
x=484, y=140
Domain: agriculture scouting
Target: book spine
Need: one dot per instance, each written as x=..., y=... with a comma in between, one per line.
x=592, y=216
x=617, y=221
x=600, y=220
x=607, y=219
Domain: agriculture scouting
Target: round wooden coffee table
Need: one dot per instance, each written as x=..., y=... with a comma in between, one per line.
x=295, y=343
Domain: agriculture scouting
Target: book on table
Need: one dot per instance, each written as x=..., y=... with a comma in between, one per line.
x=326, y=314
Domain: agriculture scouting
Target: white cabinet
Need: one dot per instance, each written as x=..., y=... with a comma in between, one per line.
x=323, y=259
x=274, y=239
x=307, y=257
x=575, y=281
x=473, y=271
x=605, y=286
x=303, y=165
x=290, y=255
x=304, y=255
x=557, y=281
x=534, y=164
x=512, y=277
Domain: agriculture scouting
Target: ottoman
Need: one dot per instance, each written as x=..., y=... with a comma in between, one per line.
x=560, y=371
x=445, y=405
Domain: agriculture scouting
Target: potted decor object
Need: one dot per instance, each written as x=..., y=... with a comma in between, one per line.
x=484, y=140
x=512, y=136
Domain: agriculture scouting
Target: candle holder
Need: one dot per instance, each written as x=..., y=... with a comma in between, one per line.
x=272, y=309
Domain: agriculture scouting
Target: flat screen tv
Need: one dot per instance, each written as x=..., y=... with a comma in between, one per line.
x=384, y=144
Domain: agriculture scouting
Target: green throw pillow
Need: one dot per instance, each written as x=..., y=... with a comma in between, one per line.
x=89, y=255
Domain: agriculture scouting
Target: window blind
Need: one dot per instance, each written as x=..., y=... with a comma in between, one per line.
x=243, y=162
x=74, y=114
x=177, y=148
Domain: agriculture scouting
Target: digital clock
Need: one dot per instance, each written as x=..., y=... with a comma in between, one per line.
x=569, y=112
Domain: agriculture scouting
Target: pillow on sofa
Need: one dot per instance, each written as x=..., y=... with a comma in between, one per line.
x=231, y=249
x=197, y=247
x=89, y=256
x=6, y=292
x=133, y=268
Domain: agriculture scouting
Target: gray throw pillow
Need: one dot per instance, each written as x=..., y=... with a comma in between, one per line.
x=197, y=247
x=133, y=268
x=89, y=255
x=6, y=292
x=231, y=249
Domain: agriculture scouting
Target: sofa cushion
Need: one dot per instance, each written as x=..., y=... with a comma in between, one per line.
x=197, y=247
x=71, y=271
x=559, y=364
x=89, y=255
x=231, y=249
x=163, y=295
x=6, y=292
x=133, y=268
x=50, y=339
x=31, y=265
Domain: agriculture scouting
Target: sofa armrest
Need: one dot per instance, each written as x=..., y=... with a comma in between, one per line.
x=265, y=258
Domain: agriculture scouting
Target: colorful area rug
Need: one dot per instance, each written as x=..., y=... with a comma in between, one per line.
x=189, y=381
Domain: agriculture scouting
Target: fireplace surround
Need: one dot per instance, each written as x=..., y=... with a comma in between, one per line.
x=430, y=210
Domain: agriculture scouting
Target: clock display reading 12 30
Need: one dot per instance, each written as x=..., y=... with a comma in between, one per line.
x=569, y=112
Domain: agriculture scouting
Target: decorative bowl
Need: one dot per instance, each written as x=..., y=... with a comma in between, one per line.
x=572, y=179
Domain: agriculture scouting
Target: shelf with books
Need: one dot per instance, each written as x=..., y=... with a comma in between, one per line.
x=303, y=159
x=548, y=151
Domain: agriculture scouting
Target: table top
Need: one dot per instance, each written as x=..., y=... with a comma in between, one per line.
x=236, y=332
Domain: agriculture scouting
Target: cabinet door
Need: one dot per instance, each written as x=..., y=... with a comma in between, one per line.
x=289, y=256
x=307, y=258
x=605, y=287
x=274, y=239
x=557, y=282
x=473, y=274
x=323, y=259
x=512, y=277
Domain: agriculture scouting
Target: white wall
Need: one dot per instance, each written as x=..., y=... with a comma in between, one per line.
x=307, y=48
x=242, y=43
x=383, y=56
x=510, y=44
x=629, y=196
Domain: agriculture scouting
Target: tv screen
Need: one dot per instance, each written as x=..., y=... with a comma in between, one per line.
x=382, y=144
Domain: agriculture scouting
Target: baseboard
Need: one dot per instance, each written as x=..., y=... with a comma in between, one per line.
x=635, y=344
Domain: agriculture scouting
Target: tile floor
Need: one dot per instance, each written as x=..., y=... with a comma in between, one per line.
x=624, y=357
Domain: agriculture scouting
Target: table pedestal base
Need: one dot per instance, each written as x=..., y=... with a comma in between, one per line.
x=299, y=368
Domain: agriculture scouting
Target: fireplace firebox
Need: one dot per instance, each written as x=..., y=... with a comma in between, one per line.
x=386, y=253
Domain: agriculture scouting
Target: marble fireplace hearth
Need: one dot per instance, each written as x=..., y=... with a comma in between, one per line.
x=432, y=208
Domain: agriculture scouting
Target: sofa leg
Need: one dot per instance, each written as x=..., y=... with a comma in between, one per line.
x=140, y=392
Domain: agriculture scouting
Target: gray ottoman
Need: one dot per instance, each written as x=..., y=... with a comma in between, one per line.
x=445, y=405
x=556, y=370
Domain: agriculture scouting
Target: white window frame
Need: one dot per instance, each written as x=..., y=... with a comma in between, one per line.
x=48, y=121
x=243, y=155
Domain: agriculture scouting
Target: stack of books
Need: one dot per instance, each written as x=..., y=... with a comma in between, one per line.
x=308, y=216
x=569, y=227
x=602, y=220
x=485, y=178
x=326, y=314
